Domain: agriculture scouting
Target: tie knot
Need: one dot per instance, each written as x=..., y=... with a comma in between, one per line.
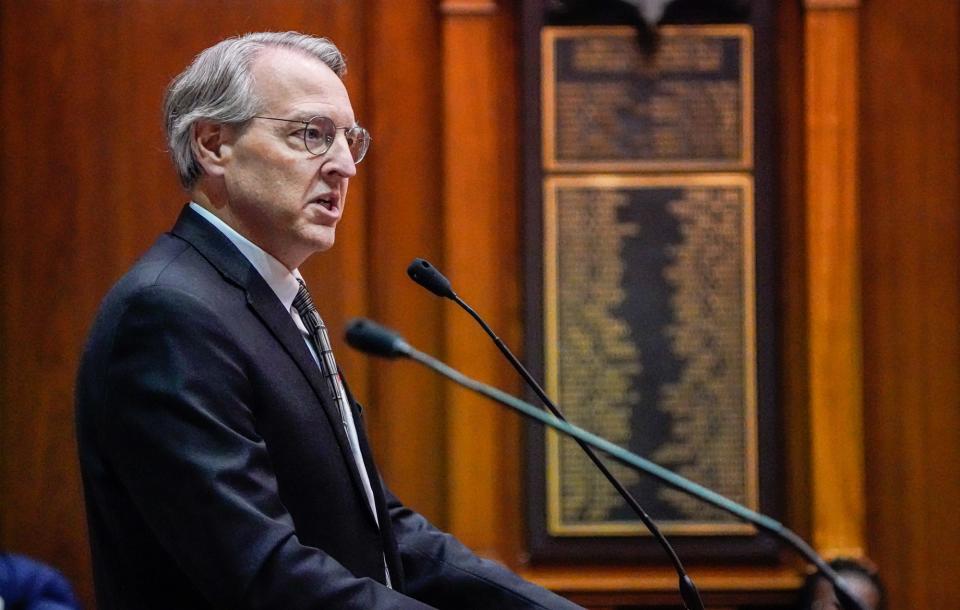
x=302, y=302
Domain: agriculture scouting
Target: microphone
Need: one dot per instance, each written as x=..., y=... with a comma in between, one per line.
x=372, y=338
x=425, y=274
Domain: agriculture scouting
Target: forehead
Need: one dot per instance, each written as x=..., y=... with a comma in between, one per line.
x=291, y=82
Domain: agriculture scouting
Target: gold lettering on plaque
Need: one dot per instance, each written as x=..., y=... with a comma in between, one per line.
x=609, y=108
x=600, y=357
x=706, y=439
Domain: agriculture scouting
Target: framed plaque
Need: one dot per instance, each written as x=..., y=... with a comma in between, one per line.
x=650, y=281
x=608, y=107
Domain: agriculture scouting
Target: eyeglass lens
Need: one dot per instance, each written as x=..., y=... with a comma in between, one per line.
x=322, y=133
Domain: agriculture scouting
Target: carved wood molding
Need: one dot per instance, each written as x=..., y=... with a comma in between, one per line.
x=468, y=7
x=833, y=275
x=813, y=5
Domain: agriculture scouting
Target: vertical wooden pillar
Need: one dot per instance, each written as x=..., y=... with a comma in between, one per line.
x=403, y=222
x=833, y=276
x=481, y=257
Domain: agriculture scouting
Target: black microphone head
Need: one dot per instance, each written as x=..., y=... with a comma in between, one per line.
x=371, y=338
x=425, y=274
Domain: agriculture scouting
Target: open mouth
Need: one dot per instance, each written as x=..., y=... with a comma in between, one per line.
x=329, y=202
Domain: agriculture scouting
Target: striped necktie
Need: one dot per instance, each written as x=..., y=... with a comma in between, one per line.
x=321, y=343
x=328, y=368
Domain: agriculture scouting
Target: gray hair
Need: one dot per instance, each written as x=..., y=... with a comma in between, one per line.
x=218, y=87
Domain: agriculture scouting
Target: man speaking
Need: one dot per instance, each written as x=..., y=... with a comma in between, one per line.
x=224, y=461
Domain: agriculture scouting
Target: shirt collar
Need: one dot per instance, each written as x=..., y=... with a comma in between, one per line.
x=281, y=280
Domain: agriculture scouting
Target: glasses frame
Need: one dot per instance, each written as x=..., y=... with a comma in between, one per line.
x=306, y=124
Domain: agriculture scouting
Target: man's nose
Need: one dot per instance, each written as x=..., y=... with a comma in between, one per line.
x=340, y=159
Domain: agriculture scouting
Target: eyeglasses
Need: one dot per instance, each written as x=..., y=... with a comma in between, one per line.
x=320, y=132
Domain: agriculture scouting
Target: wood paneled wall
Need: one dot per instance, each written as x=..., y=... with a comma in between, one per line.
x=910, y=193
x=85, y=186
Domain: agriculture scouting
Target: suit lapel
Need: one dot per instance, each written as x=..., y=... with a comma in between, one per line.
x=230, y=262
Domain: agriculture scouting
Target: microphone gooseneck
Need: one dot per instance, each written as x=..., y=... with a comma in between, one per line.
x=374, y=339
x=425, y=274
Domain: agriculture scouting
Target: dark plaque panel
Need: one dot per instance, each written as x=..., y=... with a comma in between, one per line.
x=649, y=328
x=607, y=107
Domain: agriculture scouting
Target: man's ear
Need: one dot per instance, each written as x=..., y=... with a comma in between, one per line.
x=211, y=144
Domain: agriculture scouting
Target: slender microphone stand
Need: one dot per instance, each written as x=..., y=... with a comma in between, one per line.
x=425, y=274
x=372, y=338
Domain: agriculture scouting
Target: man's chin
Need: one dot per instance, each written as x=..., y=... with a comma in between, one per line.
x=322, y=239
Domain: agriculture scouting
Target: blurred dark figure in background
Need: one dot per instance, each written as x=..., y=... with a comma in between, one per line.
x=26, y=584
x=859, y=574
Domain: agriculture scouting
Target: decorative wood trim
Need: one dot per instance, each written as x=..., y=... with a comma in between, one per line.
x=480, y=219
x=629, y=579
x=468, y=7
x=817, y=5
x=833, y=274
x=600, y=588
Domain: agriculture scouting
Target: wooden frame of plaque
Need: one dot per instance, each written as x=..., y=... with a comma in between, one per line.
x=616, y=228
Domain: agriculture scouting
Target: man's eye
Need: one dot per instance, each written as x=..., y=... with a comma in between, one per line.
x=312, y=134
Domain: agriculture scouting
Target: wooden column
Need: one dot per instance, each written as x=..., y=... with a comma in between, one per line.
x=833, y=277
x=404, y=222
x=480, y=228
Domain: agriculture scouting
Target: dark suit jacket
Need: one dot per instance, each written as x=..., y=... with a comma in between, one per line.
x=216, y=472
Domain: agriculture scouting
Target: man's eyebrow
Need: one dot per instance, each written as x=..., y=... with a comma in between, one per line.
x=303, y=116
x=306, y=116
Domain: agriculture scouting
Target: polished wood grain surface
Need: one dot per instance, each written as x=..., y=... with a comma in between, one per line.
x=911, y=294
x=404, y=221
x=832, y=248
x=793, y=335
x=86, y=187
x=481, y=255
